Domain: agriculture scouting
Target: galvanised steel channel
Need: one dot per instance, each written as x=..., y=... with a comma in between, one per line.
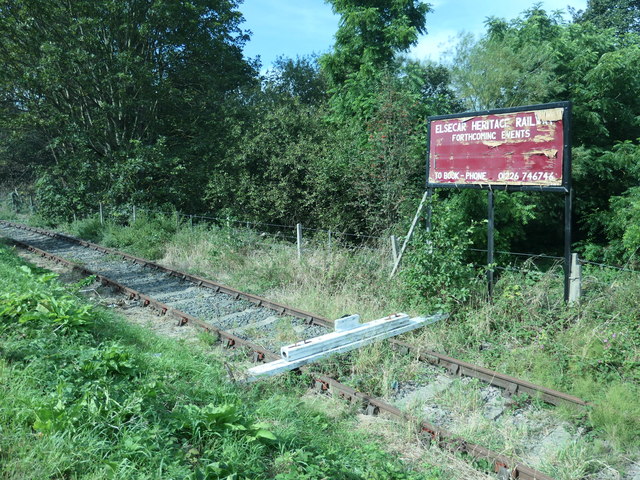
x=503, y=465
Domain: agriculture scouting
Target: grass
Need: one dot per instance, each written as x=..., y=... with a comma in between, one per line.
x=591, y=350
x=88, y=395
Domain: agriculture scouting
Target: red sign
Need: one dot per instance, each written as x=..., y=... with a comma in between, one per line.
x=515, y=148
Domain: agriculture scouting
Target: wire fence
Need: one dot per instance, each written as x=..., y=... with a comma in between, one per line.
x=288, y=233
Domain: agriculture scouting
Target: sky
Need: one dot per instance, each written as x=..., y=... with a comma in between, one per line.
x=293, y=28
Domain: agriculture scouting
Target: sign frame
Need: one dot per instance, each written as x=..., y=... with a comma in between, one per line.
x=566, y=152
x=565, y=187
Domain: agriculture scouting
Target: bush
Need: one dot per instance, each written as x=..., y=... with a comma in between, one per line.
x=437, y=269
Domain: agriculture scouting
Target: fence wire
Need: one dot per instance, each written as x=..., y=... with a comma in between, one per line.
x=333, y=235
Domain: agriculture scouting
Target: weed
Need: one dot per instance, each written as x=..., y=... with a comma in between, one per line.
x=82, y=398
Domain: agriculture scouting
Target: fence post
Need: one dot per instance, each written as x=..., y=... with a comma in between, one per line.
x=329, y=239
x=394, y=247
x=177, y=219
x=575, y=279
x=299, y=239
x=134, y=214
x=101, y=215
x=191, y=221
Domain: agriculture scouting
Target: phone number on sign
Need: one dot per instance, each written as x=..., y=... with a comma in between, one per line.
x=527, y=176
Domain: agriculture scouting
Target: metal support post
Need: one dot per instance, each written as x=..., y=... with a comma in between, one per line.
x=490, y=245
x=567, y=243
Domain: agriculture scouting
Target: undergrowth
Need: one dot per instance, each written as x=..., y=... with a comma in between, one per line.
x=87, y=395
x=591, y=349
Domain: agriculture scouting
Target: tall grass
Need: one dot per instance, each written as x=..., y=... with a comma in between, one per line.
x=591, y=349
x=88, y=395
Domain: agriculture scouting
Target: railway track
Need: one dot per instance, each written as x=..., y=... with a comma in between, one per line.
x=261, y=326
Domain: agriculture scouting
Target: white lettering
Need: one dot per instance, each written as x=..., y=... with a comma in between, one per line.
x=475, y=175
x=489, y=124
x=468, y=137
x=515, y=134
x=451, y=127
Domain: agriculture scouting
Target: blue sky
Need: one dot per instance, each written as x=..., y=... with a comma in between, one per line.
x=302, y=27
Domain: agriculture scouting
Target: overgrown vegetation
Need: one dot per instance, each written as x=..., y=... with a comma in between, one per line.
x=152, y=104
x=336, y=142
x=591, y=350
x=86, y=395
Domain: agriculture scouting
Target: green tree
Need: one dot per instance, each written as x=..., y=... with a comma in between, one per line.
x=266, y=175
x=538, y=58
x=370, y=34
x=123, y=91
x=512, y=64
x=621, y=15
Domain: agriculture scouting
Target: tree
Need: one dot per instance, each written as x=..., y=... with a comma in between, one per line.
x=621, y=15
x=122, y=90
x=370, y=34
x=512, y=64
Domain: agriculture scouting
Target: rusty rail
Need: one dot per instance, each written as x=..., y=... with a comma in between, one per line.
x=505, y=466
x=511, y=385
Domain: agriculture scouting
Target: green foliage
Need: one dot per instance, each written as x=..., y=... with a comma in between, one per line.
x=98, y=402
x=37, y=306
x=371, y=32
x=513, y=64
x=609, y=213
x=437, y=268
x=203, y=422
x=99, y=87
x=146, y=237
x=618, y=415
x=305, y=465
x=621, y=15
x=539, y=58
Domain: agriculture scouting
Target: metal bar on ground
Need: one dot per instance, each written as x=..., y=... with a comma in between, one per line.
x=349, y=335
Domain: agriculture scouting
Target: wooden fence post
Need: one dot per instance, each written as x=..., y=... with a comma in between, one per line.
x=101, y=215
x=299, y=239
